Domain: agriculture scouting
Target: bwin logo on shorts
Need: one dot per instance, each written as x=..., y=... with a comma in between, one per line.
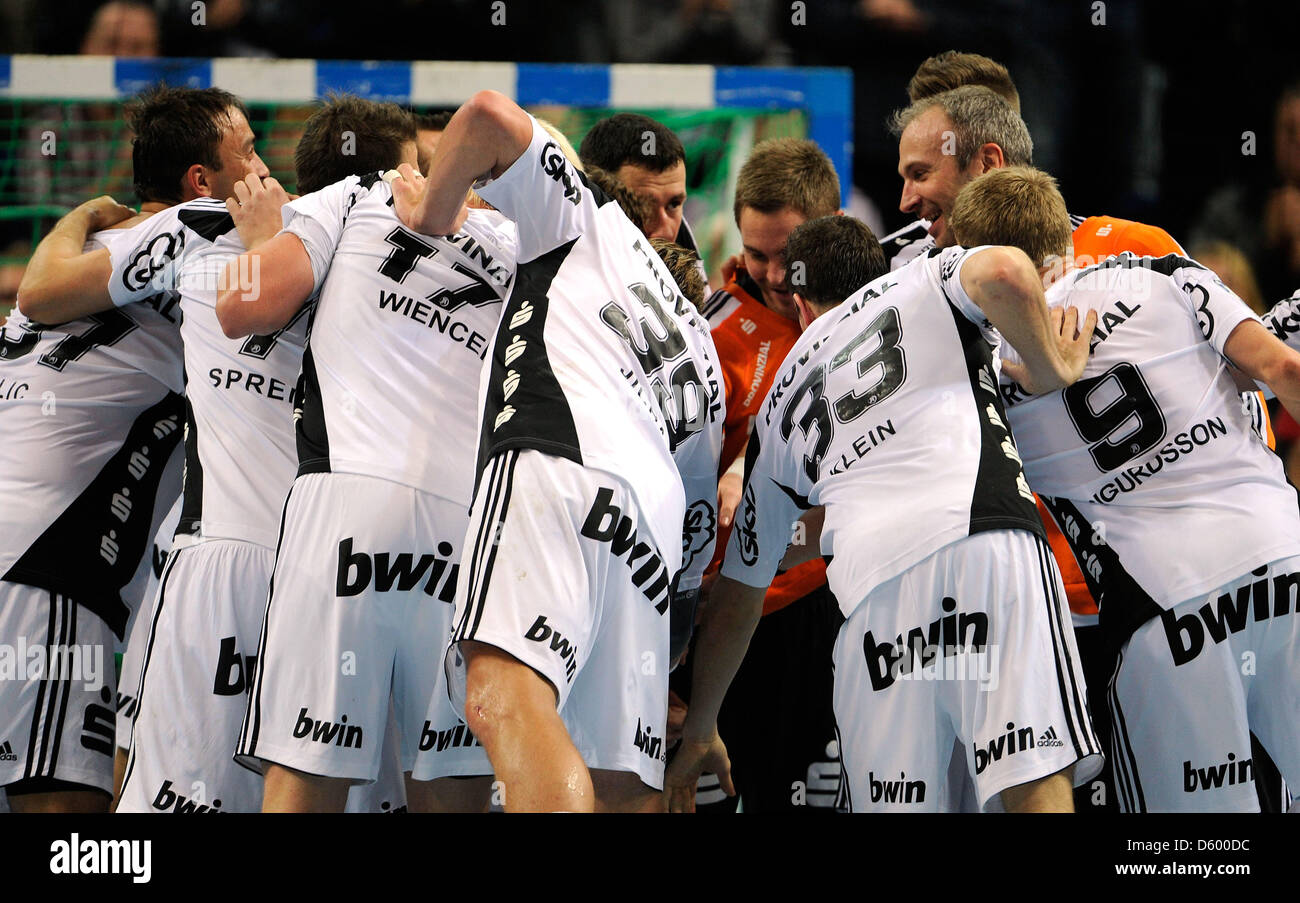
x=606, y=522
x=650, y=745
x=540, y=632
x=1008, y=744
x=1230, y=614
x=338, y=733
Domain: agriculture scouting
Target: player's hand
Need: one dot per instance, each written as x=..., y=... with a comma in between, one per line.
x=730, y=487
x=676, y=717
x=255, y=208
x=104, y=212
x=732, y=265
x=1072, y=344
x=694, y=757
x=408, y=190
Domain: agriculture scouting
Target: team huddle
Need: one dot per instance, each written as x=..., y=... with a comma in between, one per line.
x=474, y=497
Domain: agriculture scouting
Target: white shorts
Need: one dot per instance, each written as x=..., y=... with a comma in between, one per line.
x=199, y=662
x=359, y=610
x=562, y=573
x=57, y=685
x=1191, y=686
x=967, y=659
x=137, y=627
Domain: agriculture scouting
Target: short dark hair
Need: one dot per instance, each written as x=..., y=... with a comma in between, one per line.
x=349, y=136
x=787, y=172
x=951, y=69
x=839, y=255
x=433, y=122
x=625, y=138
x=174, y=129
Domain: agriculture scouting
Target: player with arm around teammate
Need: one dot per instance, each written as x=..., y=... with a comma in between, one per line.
x=602, y=381
x=1181, y=514
x=956, y=649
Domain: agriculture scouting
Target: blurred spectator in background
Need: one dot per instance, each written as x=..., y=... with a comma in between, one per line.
x=723, y=32
x=1263, y=219
x=123, y=28
x=1233, y=267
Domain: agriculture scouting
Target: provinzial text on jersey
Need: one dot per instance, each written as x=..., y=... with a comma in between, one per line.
x=426, y=314
x=1176, y=448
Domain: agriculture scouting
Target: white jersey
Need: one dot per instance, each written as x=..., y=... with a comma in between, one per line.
x=240, y=456
x=1149, y=462
x=598, y=358
x=401, y=329
x=887, y=412
x=90, y=414
x=1283, y=320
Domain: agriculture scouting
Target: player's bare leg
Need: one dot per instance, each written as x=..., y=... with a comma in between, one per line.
x=511, y=710
x=623, y=791
x=1054, y=793
x=289, y=790
x=61, y=801
x=449, y=794
x=119, y=774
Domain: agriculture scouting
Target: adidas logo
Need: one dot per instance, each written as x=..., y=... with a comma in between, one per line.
x=1049, y=738
x=7, y=753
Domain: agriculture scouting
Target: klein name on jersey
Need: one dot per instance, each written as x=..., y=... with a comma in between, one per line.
x=426, y=314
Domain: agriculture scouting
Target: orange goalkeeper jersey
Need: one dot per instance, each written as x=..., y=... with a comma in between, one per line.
x=752, y=340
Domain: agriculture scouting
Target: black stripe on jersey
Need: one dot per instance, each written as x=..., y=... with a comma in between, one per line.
x=312, y=437
x=535, y=414
x=1124, y=605
x=148, y=654
x=1127, y=260
x=1072, y=698
x=192, y=488
x=93, y=548
x=207, y=224
x=996, y=502
x=715, y=303
x=1076, y=221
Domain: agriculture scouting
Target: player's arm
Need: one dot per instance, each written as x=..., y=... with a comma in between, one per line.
x=799, y=553
x=61, y=282
x=1264, y=358
x=697, y=464
x=276, y=280
x=485, y=136
x=267, y=284
x=757, y=543
x=1006, y=287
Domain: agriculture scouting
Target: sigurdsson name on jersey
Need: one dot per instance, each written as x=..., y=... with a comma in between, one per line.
x=1149, y=461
